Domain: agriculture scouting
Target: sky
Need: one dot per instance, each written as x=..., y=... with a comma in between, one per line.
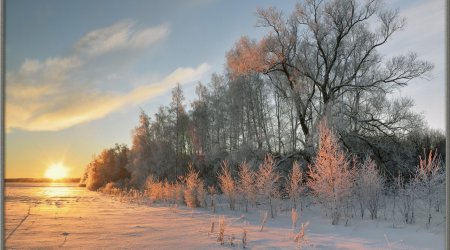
x=79, y=71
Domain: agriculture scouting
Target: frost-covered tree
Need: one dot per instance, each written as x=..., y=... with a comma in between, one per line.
x=246, y=184
x=369, y=186
x=227, y=184
x=331, y=179
x=201, y=121
x=108, y=166
x=295, y=185
x=407, y=196
x=327, y=52
x=140, y=155
x=268, y=182
x=95, y=175
x=180, y=122
x=430, y=179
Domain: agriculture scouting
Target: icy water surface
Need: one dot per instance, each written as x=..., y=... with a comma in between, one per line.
x=61, y=215
x=38, y=193
x=36, y=211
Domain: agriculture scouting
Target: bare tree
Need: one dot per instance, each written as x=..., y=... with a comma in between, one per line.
x=325, y=50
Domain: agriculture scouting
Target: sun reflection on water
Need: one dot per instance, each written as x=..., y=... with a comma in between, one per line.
x=57, y=191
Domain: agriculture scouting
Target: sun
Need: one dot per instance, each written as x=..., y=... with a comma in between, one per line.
x=56, y=171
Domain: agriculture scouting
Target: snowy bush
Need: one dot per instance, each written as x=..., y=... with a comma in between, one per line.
x=331, y=179
x=154, y=188
x=294, y=183
x=246, y=185
x=168, y=192
x=369, y=187
x=429, y=178
x=227, y=184
x=193, y=187
x=178, y=192
x=407, y=198
x=212, y=192
x=202, y=194
x=267, y=182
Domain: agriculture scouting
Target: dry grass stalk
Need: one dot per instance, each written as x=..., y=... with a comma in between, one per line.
x=221, y=235
x=244, y=238
x=263, y=221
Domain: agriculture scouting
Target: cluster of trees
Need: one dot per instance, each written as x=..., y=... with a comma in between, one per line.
x=320, y=61
x=339, y=181
x=109, y=166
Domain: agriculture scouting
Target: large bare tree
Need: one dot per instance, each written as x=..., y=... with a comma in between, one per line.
x=326, y=53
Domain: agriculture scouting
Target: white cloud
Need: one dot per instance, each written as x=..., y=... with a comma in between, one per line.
x=51, y=109
x=121, y=35
x=55, y=94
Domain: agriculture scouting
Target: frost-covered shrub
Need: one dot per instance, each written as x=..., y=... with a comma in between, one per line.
x=178, y=192
x=369, y=187
x=227, y=184
x=246, y=185
x=193, y=186
x=267, y=182
x=202, y=194
x=111, y=188
x=407, y=197
x=294, y=184
x=167, y=190
x=331, y=179
x=430, y=178
x=212, y=193
x=154, y=188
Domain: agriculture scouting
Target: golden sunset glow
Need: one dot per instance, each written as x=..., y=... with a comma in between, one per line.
x=56, y=171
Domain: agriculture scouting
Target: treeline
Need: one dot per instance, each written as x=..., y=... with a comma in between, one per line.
x=36, y=180
x=344, y=185
x=320, y=61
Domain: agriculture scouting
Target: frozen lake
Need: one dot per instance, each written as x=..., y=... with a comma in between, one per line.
x=64, y=215
x=51, y=215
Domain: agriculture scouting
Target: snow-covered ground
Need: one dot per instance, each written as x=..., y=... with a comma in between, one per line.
x=44, y=216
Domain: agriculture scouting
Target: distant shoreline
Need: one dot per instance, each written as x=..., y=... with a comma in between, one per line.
x=38, y=180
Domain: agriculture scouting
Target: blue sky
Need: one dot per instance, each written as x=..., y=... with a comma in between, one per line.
x=79, y=71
